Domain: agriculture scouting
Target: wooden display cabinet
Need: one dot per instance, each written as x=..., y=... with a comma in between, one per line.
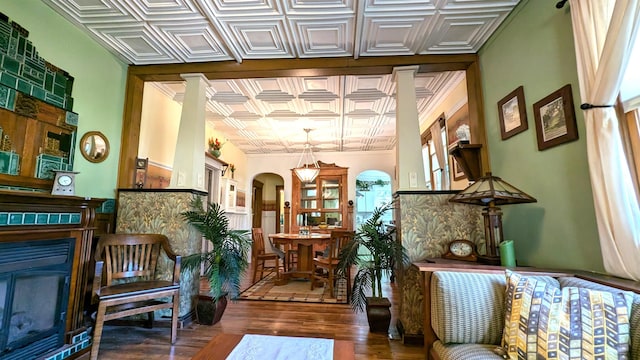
x=321, y=204
x=34, y=139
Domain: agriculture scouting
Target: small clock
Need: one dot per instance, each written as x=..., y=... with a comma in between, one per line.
x=461, y=250
x=64, y=183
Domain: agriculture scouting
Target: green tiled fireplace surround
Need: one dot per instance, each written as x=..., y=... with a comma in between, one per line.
x=32, y=218
x=22, y=69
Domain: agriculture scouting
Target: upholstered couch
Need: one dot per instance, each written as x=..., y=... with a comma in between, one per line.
x=465, y=308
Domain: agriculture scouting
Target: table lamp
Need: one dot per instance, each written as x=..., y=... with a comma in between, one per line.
x=490, y=191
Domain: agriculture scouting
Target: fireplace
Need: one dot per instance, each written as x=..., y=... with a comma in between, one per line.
x=34, y=295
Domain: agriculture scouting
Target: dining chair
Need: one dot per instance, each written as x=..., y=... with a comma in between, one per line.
x=324, y=267
x=125, y=281
x=259, y=256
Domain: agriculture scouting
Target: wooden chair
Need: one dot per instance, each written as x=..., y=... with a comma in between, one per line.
x=124, y=283
x=339, y=239
x=259, y=256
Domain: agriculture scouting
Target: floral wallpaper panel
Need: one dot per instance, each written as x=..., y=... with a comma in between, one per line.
x=426, y=223
x=159, y=213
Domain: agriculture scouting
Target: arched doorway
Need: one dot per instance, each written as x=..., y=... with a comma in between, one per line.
x=373, y=188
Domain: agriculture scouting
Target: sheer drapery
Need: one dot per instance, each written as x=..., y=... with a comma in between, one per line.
x=436, y=137
x=604, y=32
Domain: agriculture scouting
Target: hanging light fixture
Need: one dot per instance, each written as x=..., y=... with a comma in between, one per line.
x=303, y=171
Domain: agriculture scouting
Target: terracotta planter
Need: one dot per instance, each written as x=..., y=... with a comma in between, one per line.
x=209, y=312
x=378, y=314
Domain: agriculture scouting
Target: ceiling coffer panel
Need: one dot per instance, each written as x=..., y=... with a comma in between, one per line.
x=347, y=113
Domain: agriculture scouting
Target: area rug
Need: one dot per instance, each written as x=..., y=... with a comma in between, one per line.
x=282, y=347
x=238, y=346
x=295, y=290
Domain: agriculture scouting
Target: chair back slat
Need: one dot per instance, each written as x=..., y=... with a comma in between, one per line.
x=128, y=256
x=257, y=248
x=339, y=239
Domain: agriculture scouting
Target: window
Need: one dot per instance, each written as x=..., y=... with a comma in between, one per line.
x=432, y=167
x=630, y=97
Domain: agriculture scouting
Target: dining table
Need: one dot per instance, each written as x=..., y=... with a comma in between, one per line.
x=304, y=244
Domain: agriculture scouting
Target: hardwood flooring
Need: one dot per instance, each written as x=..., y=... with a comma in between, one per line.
x=262, y=317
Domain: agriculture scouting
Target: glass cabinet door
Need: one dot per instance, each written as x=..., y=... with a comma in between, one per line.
x=308, y=196
x=330, y=193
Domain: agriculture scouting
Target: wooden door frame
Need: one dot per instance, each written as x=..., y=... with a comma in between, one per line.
x=137, y=75
x=279, y=199
x=256, y=204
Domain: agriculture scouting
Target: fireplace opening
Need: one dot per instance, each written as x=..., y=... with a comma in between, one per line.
x=34, y=295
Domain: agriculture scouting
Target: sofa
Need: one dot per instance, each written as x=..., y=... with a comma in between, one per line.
x=466, y=309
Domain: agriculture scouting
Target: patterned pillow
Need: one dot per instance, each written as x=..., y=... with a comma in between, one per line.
x=543, y=321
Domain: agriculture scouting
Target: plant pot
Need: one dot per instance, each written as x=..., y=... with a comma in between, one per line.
x=378, y=314
x=209, y=312
x=215, y=153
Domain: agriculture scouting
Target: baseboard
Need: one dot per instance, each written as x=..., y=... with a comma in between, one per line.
x=409, y=339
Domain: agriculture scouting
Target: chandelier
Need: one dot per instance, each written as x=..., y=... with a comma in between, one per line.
x=303, y=171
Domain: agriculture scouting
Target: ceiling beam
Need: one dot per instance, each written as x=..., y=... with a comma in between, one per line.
x=302, y=67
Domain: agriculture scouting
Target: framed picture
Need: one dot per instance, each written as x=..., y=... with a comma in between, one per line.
x=458, y=174
x=457, y=124
x=555, y=119
x=513, y=114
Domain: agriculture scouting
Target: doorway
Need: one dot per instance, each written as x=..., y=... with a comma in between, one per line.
x=373, y=189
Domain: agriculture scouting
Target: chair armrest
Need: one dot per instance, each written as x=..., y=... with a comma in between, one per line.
x=97, y=281
x=167, y=248
x=176, y=269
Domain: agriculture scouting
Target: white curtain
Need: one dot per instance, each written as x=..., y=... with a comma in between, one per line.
x=436, y=137
x=604, y=32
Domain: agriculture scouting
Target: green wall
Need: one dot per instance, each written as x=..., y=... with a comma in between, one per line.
x=98, y=89
x=534, y=48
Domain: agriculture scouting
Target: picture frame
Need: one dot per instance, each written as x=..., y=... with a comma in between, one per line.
x=459, y=119
x=555, y=119
x=513, y=114
x=458, y=173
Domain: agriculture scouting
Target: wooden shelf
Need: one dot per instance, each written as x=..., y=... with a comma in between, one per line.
x=468, y=157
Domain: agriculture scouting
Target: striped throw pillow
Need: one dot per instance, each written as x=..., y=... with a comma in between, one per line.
x=543, y=321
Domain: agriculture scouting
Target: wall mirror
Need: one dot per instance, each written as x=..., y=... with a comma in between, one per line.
x=94, y=146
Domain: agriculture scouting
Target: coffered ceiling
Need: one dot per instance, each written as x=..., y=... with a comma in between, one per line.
x=348, y=113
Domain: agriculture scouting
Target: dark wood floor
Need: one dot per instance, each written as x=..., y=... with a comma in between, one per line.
x=262, y=317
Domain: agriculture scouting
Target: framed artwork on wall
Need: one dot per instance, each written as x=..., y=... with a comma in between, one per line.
x=513, y=114
x=458, y=173
x=555, y=119
x=458, y=124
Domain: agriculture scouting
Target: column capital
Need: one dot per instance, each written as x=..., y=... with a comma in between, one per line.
x=191, y=76
x=411, y=68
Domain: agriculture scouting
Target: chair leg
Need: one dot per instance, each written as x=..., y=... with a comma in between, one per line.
x=150, y=317
x=348, y=284
x=97, y=331
x=255, y=271
x=331, y=279
x=174, y=317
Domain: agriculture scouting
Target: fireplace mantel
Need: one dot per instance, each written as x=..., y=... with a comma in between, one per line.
x=40, y=216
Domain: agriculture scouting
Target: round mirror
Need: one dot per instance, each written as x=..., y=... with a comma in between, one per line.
x=94, y=146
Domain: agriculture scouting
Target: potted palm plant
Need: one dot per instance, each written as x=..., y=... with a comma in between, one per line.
x=384, y=253
x=224, y=261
